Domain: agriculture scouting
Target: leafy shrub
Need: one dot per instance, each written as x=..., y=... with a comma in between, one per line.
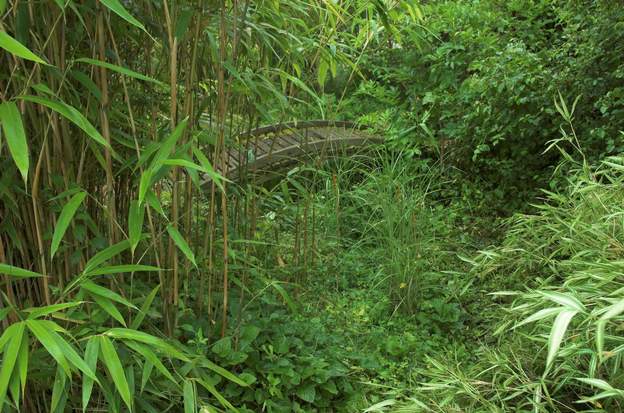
x=559, y=340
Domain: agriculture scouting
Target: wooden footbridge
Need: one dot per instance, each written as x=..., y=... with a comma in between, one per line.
x=265, y=151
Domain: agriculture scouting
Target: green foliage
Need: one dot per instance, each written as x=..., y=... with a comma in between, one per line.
x=558, y=340
x=474, y=86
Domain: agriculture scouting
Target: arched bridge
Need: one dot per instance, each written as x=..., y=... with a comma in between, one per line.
x=268, y=149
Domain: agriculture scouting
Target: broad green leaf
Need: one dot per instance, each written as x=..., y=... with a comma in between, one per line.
x=17, y=272
x=67, y=214
x=91, y=356
x=44, y=336
x=15, y=136
x=93, y=288
x=72, y=114
x=557, y=332
x=181, y=243
x=136, y=323
x=136, y=215
x=108, y=306
x=116, y=7
x=16, y=48
x=120, y=69
x=115, y=369
x=189, y=397
x=9, y=359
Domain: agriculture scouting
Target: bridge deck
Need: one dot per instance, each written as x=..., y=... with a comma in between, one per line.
x=263, y=149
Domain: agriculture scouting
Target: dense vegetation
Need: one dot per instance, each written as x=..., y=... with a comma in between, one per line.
x=470, y=263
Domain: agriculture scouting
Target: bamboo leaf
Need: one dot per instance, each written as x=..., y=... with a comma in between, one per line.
x=106, y=254
x=93, y=288
x=189, y=397
x=136, y=323
x=565, y=300
x=115, y=369
x=541, y=314
x=14, y=47
x=209, y=170
x=69, y=352
x=612, y=311
x=108, y=306
x=67, y=214
x=118, y=269
x=557, y=332
x=37, y=312
x=72, y=114
x=44, y=336
x=145, y=184
x=212, y=390
x=150, y=357
x=91, y=356
x=13, y=127
x=120, y=69
x=17, y=272
x=136, y=216
x=128, y=334
x=154, y=203
x=181, y=243
x=9, y=359
x=116, y=7
x=167, y=146
x=22, y=361
x=223, y=372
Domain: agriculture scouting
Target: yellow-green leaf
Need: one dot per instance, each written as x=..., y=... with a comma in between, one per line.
x=17, y=272
x=16, y=48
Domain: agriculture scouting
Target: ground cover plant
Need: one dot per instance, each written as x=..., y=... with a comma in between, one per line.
x=470, y=261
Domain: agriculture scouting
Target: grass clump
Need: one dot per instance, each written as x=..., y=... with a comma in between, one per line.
x=555, y=344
